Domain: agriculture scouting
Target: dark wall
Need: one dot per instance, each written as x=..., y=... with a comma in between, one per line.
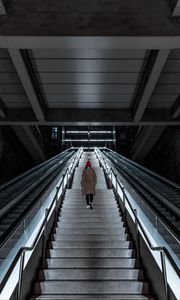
x=52, y=143
x=164, y=158
x=125, y=137
x=14, y=159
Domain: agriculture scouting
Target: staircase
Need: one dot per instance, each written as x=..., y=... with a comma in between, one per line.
x=90, y=255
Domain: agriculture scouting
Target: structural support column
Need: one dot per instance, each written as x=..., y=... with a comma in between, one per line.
x=27, y=83
x=149, y=81
x=176, y=11
x=31, y=140
x=146, y=139
x=176, y=108
x=2, y=8
x=3, y=109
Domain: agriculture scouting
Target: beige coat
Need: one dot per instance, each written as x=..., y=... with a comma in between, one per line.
x=88, y=181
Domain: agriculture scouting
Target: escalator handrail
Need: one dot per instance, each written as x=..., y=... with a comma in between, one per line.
x=27, y=211
x=24, y=193
x=159, y=248
x=157, y=214
x=21, y=176
x=175, y=185
x=161, y=197
x=30, y=248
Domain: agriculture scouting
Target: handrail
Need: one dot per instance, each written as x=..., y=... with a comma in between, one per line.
x=32, y=186
x=163, y=250
x=154, y=190
x=8, y=235
x=158, y=215
x=5, y=184
x=22, y=250
x=146, y=169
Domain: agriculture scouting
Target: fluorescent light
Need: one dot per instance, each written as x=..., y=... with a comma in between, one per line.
x=86, y=140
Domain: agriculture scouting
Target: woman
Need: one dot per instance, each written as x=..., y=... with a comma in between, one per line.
x=88, y=183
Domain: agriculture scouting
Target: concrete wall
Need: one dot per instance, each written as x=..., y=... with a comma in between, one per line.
x=14, y=159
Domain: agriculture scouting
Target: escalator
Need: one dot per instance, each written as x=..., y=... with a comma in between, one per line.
x=161, y=195
x=28, y=190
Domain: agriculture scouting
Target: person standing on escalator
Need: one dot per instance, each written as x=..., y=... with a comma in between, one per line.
x=88, y=183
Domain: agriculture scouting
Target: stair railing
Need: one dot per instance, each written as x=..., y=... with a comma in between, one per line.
x=56, y=202
x=168, y=181
x=139, y=227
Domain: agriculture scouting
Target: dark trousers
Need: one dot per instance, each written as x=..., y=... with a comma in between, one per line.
x=89, y=197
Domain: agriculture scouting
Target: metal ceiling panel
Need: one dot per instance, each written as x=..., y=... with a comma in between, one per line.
x=89, y=98
x=9, y=78
x=11, y=90
x=14, y=98
x=162, y=98
x=170, y=78
x=167, y=89
x=118, y=78
x=3, y=53
x=88, y=105
x=88, y=77
x=6, y=65
x=88, y=89
x=172, y=65
x=18, y=105
x=160, y=105
x=87, y=65
x=87, y=53
x=175, y=54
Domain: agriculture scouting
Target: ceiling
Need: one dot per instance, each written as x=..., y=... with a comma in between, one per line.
x=89, y=63
x=79, y=86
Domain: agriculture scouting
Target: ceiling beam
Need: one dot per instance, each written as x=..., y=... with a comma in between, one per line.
x=84, y=42
x=176, y=108
x=28, y=137
x=150, y=78
x=2, y=8
x=63, y=116
x=27, y=83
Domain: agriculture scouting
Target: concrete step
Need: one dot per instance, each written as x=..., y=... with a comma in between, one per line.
x=91, y=244
x=82, y=204
x=99, y=191
x=90, y=297
x=78, y=192
x=91, y=237
x=90, y=253
x=62, y=230
x=77, y=187
x=102, y=263
x=115, y=225
x=91, y=219
x=89, y=287
x=90, y=212
x=91, y=274
x=84, y=209
x=100, y=196
x=100, y=200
